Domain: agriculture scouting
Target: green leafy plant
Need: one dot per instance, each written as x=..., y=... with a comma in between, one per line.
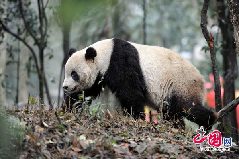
x=11, y=136
x=32, y=100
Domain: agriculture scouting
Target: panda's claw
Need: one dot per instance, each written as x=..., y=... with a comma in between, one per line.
x=149, y=114
x=147, y=118
x=154, y=115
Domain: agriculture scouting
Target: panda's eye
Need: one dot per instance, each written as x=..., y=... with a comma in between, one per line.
x=74, y=76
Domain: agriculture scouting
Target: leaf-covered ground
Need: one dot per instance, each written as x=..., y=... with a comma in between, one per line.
x=53, y=134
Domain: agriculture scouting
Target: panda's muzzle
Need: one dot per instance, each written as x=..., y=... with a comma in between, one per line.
x=66, y=89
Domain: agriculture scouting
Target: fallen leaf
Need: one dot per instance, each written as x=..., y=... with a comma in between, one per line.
x=39, y=129
x=46, y=153
x=75, y=149
x=85, y=143
x=174, y=130
x=44, y=124
x=82, y=137
x=75, y=142
x=141, y=147
x=132, y=144
x=121, y=150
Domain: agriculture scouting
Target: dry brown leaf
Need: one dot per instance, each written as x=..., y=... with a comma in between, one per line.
x=75, y=142
x=85, y=143
x=47, y=154
x=76, y=149
x=39, y=129
x=32, y=138
x=174, y=130
x=122, y=150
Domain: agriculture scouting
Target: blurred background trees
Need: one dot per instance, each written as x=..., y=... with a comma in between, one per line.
x=35, y=37
x=28, y=25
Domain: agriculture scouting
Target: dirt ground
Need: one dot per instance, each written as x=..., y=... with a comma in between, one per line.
x=54, y=134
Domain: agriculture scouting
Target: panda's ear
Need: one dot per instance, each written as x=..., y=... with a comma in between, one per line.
x=90, y=53
x=71, y=51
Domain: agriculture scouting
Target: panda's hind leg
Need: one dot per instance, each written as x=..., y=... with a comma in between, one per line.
x=150, y=115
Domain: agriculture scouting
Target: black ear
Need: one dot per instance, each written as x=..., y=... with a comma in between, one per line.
x=90, y=53
x=71, y=51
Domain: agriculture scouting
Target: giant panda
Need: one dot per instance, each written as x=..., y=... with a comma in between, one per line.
x=138, y=76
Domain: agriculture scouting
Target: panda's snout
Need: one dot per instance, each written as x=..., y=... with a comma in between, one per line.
x=65, y=87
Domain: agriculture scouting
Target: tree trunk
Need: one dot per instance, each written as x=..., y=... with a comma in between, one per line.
x=118, y=24
x=2, y=72
x=43, y=81
x=66, y=45
x=47, y=92
x=233, y=6
x=18, y=72
x=144, y=22
x=41, y=78
x=229, y=68
x=210, y=40
x=23, y=87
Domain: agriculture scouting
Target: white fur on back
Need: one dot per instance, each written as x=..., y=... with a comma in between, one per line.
x=165, y=71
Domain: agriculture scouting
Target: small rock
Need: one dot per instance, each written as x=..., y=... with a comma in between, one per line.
x=174, y=130
x=133, y=144
x=141, y=147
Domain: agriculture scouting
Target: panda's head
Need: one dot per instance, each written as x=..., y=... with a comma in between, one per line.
x=83, y=67
x=80, y=70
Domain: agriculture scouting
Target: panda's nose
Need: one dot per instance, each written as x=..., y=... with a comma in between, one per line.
x=65, y=87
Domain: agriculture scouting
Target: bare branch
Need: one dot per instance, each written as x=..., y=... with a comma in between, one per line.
x=210, y=40
x=40, y=18
x=228, y=108
x=204, y=20
x=47, y=92
x=144, y=21
x=5, y=28
x=45, y=20
x=46, y=4
x=58, y=118
x=42, y=21
x=40, y=40
x=25, y=23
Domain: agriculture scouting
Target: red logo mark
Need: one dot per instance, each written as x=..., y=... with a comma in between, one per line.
x=214, y=138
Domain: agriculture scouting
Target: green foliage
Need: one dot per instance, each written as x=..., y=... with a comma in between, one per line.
x=32, y=100
x=205, y=48
x=81, y=97
x=61, y=128
x=11, y=136
x=205, y=65
x=95, y=110
x=71, y=9
x=176, y=23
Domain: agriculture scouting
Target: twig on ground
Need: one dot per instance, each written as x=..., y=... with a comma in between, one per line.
x=58, y=118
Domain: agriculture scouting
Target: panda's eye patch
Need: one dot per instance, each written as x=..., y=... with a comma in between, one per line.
x=75, y=76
